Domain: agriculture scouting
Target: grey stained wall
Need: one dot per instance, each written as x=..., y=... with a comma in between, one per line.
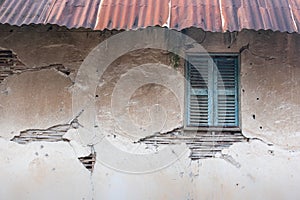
x=47, y=150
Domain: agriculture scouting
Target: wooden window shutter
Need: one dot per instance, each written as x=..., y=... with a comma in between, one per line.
x=212, y=98
x=226, y=89
x=199, y=99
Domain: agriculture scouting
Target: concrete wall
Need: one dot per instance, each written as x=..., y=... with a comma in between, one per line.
x=49, y=150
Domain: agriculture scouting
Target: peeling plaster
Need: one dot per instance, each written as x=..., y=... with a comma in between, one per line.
x=261, y=162
x=201, y=144
x=89, y=161
x=58, y=133
x=11, y=65
x=31, y=95
x=52, y=134
x=22, y=69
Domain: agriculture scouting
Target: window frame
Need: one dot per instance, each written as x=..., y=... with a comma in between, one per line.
x=186, y=94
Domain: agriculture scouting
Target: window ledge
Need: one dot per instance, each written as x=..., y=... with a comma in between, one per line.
x=211, y=129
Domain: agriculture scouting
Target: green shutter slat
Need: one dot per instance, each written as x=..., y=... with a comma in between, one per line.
x=199, y=92
x=227, y=92
x=215, y=93
x=211, y=92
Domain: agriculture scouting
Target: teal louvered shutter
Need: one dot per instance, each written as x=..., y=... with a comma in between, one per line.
x=198, y=91
x=212, y=98
x=226, y=97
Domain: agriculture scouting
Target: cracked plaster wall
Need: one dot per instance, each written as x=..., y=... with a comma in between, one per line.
x=264, y=168
x=269, y=82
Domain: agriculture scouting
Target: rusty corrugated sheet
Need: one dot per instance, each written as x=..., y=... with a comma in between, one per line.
x=69, y=13
x=202, y=14
x=74, y=13
x=210, y=15
x=19, y=12
x=132, y=14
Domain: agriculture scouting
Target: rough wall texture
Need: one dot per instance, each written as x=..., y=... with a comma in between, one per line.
x=269, y=77
x=36, y=101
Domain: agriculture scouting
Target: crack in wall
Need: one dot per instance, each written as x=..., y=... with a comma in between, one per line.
x=11, y=65
x=89, y=161
x=51, y=134
x=202, y=144
x=247, y=47
x=173, y=131
x=56, y=134
x=231, y=160
x=18, y=69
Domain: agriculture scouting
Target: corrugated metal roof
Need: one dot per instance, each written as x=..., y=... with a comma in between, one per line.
x=69, y=13
x=74, y=13
x=210, y=15
x=132, y=14
x=18, y=12
x=234, y=15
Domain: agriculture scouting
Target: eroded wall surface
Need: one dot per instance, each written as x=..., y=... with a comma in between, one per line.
x=48, y=151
